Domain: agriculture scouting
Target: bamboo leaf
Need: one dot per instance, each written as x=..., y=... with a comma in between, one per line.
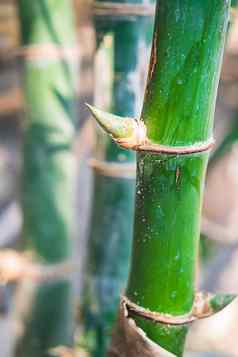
x=218, y=333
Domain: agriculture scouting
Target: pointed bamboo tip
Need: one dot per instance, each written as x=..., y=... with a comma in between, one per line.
x=90, y=107
x=100, y=116
x=92, y=110
x=104, y=119
x=118, y=127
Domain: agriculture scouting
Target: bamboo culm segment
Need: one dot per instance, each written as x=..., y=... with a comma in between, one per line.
x=167, y=272
x=113, y=197
x=48, y=166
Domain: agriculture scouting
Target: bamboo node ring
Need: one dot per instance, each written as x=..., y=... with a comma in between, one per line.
x=122, y=9
x=15, y=266
x=199, y=147
x=201, y=309
x=114, y=169
x=47, y=51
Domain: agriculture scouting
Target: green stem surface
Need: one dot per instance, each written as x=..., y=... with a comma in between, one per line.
x=178, y=111
x=48, y=166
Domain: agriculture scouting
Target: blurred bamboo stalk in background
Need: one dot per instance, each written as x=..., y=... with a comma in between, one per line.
x=10, y=94
x=9, y=31
x=123, y=39
x=220, y=210
x=50, y=76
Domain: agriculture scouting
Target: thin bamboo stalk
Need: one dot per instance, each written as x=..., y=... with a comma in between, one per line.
x=178, y=119
x=120, y=40
x=48, y=33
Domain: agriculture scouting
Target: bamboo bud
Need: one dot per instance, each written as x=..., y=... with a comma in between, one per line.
x=127, y=132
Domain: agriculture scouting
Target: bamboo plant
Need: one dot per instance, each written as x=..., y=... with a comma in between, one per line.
x=120, y=38
x=172, y=140
x=49, y=79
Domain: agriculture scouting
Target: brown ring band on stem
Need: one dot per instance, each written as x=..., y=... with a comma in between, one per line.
x=16, y=266
x=139, y=311
x=201, y=309
x=122, y=9
x=169, y=150
x=114, y=9
x=114, y=169
x=47, y=51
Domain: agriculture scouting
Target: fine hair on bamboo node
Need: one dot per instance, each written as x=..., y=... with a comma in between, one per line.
x=140, y=131
x=138, y=138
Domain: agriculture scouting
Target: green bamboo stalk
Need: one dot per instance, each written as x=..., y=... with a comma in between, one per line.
x=120, y=39
x=178, y=114
x=48, y=40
